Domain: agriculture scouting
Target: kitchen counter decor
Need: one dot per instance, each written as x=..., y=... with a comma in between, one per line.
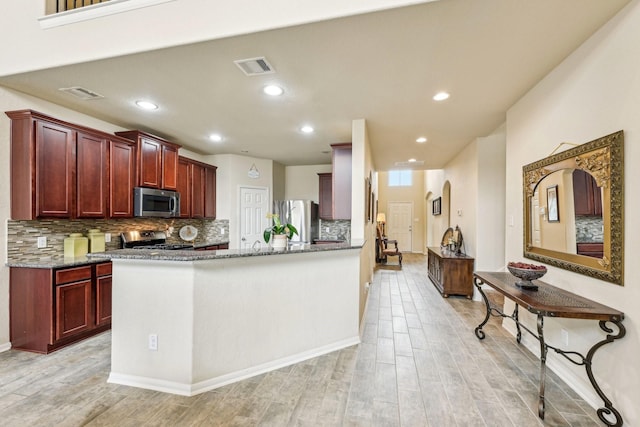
x=280, y=232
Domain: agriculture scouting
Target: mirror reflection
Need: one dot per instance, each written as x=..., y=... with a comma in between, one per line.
x=575, y=194
x=573, y=209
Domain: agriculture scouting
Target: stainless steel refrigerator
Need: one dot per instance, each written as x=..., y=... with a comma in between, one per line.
x=302, y=214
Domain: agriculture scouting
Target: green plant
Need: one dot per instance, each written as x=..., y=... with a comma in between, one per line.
x=278, y=228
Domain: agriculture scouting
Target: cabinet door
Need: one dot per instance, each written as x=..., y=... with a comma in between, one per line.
x=184, y=187
x=210, y=193
x=103, y=300
x=122, y=179
x=73, y=308
x=341, y=157
x=587, y=196
x=198, y=188
x=169, y=168
x=55, y=165
x=91, y=176
x=150, y=164
x=325, y=209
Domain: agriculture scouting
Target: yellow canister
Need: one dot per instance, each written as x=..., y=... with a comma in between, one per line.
x=96, y=240
x=76, y=245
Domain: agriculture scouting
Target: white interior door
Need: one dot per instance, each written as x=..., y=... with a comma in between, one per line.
x=254, y=206
x=400, y=225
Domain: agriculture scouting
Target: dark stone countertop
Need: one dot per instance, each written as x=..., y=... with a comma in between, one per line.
x=190, y=255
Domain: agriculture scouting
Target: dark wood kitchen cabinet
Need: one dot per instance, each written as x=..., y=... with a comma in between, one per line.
x=103, y=293
x=157, y=160
x=92, y=176
x=325, y=205
x=52, y=308
x=450, y=273
x=335, y=188
x=122, y=177
x=587, y=196
x=63, y=170
x=341, y=186
x=184, y=187
x=42, y=167
x=197, y=185
x=73, y=313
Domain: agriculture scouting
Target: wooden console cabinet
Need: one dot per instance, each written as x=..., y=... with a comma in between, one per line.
x=54, y=307
x=451, y=274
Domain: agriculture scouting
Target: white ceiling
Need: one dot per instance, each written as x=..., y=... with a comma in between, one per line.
x=383, y=67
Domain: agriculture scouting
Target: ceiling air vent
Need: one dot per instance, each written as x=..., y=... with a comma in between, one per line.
x=405, y=164
x=82, y=93
x=255, y=66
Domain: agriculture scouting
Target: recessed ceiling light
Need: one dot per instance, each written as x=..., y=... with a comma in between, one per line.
x=215, y=137
x=421, y=140
x=412, y=160
x=146, y=105
x=440, y=96
x=306, y=129
x=273, y=90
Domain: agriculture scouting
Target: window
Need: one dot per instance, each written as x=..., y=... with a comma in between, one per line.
x=400, y=178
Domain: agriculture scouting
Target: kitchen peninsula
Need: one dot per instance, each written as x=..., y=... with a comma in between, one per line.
x=185, y=322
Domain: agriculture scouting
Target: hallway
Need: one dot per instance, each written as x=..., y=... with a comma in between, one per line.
x=419, y=364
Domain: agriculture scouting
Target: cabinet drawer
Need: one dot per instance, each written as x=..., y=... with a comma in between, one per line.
x=103, y=269
x=73, y=274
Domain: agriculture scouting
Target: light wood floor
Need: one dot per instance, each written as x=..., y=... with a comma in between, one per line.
x=419, y=364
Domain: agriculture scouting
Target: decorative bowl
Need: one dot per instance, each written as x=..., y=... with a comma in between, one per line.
x=526, y=273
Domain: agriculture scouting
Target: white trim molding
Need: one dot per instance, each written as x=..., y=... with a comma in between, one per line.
x=94, y=11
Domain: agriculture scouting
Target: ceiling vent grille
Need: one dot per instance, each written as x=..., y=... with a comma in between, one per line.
x=82, y=93
x=406, y=164
x=255, y=66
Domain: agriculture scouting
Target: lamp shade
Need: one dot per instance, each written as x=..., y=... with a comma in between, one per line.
x=381, y=217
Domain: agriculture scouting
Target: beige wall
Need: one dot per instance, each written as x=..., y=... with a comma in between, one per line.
x=302, y=181
x=594, y=92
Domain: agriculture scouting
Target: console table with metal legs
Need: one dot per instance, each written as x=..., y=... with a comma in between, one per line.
x=550, y=301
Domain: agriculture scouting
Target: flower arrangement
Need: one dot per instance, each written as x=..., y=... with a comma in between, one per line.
x=278, y=228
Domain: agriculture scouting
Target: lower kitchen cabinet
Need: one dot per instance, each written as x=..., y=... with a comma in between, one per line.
x=51, y=308
x=450, y=273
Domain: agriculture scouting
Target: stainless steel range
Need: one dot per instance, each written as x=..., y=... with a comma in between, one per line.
x=150, y=239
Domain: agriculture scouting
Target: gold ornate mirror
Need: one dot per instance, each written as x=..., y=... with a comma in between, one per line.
x=573, y=209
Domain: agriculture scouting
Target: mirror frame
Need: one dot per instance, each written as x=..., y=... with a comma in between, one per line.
x=603, y=159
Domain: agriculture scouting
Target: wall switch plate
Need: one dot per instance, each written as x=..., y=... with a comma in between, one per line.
x=565, y=337
x=153, y=342
x=222, y=231
x=42, y=242
x=107, y=237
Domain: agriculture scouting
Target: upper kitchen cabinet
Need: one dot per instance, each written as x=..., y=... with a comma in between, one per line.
x=122, y=177
x=197, y=188
x=62, y=170
x=91, y=176
x=325, y=199
x=341, y=183
x=157, y=160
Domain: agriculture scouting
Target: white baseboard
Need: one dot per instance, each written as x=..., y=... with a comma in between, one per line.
x=5, y=347
x=184, y=389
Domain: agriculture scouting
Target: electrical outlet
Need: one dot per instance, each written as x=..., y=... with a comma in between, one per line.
x=222, y=231
x=42, y=242
x=153, y=342
x=565, y=337
x=107, y=237
x=326, y=230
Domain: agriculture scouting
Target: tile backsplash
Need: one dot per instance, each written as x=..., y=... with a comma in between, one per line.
x=335, y=230
x=22, y=236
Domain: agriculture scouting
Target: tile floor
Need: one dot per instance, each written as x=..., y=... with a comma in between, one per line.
x=419, y=364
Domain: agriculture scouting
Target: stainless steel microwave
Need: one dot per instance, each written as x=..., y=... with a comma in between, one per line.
x=155, y=203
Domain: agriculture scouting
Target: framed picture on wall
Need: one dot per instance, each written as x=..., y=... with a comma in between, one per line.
x=553, y=215
x=436, y=206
